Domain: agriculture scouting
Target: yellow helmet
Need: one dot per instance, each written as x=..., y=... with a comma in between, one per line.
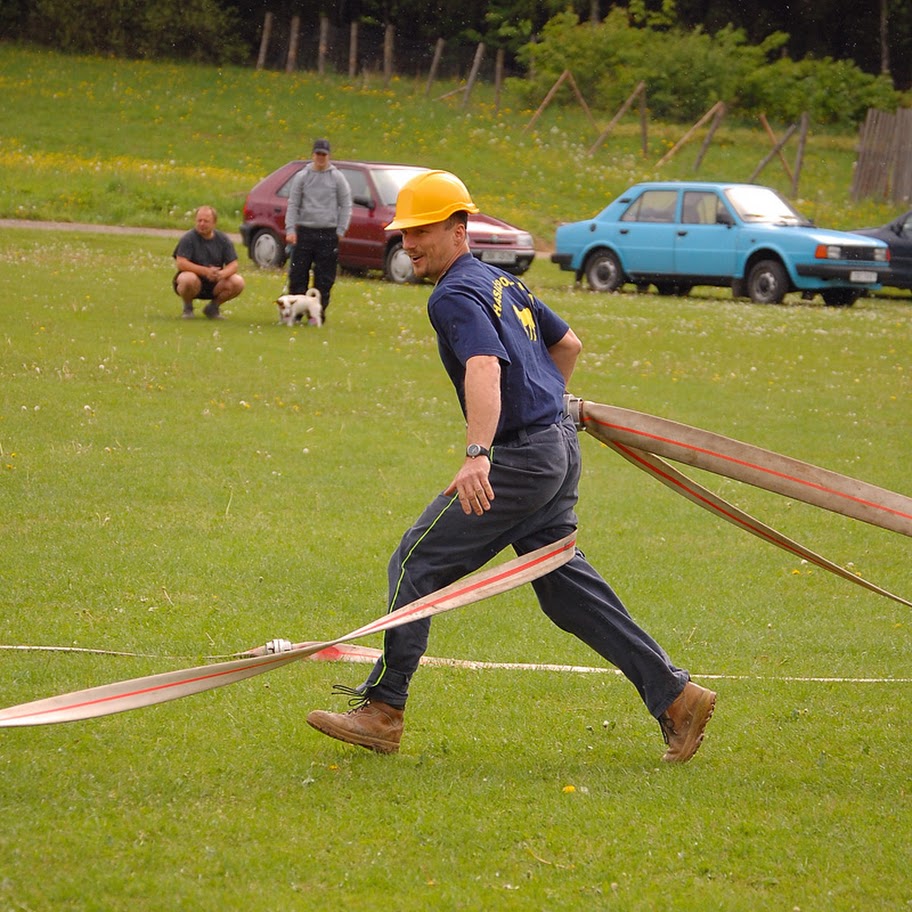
x=429, y=197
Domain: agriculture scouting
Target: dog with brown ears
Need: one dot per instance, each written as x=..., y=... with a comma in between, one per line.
x=297, y=308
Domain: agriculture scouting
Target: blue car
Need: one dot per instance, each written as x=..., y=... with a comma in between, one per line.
x=676, y=235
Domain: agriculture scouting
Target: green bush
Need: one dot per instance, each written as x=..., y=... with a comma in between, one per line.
x=833, y=92
x=686, y=72
x=199, y=30
x=587, y=51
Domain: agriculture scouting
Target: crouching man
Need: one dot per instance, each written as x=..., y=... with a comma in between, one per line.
x=207, y=266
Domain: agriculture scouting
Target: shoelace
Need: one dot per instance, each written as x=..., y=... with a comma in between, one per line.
x=357, y=696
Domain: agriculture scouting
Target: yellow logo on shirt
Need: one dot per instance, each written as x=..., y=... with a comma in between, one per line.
x=524, y=314
x=500, y=284
x=528, y=321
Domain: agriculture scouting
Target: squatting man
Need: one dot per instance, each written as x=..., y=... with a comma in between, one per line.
x=207, y=266
x=510, y=359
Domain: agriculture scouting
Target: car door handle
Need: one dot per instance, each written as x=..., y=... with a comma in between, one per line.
x=624, y=231
x=682, y=234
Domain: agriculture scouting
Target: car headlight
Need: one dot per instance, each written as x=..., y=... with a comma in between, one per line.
x=828, y=252
x=523, y=240
x=882, y=254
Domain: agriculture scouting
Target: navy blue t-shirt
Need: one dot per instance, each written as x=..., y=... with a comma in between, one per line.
x=477, y=309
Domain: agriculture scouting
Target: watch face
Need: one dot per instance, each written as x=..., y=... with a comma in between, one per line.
x=474, y=449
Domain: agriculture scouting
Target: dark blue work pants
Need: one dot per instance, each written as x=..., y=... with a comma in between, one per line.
x=535, y=480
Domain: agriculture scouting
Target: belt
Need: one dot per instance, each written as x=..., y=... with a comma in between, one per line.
x=521, y=435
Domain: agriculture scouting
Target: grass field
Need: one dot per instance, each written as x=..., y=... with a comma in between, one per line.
x=185, y=488
x=139, y=143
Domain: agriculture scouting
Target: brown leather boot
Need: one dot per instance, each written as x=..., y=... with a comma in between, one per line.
x=374, y=725
x=684, y=721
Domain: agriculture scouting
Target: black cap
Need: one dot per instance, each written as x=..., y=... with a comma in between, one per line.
x=321, y=145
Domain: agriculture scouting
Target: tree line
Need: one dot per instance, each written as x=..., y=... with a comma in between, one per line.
x=875, y=34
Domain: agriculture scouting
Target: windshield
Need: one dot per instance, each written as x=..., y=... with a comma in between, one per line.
x=389, y=182
x=760, y=204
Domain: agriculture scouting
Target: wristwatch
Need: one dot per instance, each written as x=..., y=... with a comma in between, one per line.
x=474, y=450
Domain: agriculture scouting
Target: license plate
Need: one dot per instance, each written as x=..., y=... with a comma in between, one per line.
x=497, y=256
x=857, y=275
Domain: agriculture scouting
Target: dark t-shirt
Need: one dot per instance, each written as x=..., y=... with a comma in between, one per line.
x=216, y=251
x=477, y=309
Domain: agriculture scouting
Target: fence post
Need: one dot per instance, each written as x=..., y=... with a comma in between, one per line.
x=671, y=152
x=353, y=49
x=709, y=135
x=771, y=155
x=644, y=124
x=902, y=166
x=389, y=34
x=435, y=65
x=773, y=140
x=473, y=75
x=639, y=90
x=799, y=155
x=323, y=46
x=498, y=77
x=291, y=62
x=264, y=41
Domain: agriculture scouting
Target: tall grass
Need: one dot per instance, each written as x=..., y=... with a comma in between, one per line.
x=182, y=488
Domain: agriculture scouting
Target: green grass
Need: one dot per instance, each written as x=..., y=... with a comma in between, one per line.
x=184, y=489
x=138, y=143
x=190, y=488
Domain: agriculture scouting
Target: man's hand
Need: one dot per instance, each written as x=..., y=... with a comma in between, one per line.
x=291, y=238
x=473, y=486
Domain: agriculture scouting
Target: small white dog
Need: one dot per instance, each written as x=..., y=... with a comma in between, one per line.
x=293, y=307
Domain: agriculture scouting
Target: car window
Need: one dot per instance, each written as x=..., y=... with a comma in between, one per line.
x=761, y=204
x=357, y=180
x=285, y=189
x=700, y=208
x=652, y=206
x=389, y=182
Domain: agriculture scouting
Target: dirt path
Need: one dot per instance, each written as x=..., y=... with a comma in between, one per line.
x=99, y=229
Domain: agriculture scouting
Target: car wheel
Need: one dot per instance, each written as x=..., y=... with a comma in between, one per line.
x=840, y=297
x=767, y=282
x=267, y=250
x=603, y=271
x=398, y=267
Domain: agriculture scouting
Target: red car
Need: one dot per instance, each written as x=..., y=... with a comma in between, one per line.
x=366, y=245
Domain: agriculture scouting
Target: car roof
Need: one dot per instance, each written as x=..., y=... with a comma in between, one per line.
x=690, y=185
x=357, y=161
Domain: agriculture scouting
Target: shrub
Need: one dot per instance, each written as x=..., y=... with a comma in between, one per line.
x=198, y=30
x=833, y=92
x=686, y=72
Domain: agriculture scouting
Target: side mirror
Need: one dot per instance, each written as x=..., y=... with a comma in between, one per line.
x=364, y=201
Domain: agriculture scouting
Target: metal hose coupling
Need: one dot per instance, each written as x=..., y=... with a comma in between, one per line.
x=573, y=408
x=274, y=647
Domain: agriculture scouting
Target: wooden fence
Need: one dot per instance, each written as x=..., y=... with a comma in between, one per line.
x=883, y=168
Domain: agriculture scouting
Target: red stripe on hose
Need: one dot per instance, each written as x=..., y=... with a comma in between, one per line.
x=749, y=465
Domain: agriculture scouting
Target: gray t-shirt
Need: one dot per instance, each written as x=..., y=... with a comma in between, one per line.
x=216, y=251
